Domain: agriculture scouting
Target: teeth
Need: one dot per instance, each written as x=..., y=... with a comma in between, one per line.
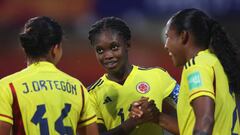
x=110, y=63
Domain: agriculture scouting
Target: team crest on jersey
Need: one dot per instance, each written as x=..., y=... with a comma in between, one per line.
x=143, y=87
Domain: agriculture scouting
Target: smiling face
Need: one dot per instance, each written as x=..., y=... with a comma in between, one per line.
x=111, y=51
x=174, y=45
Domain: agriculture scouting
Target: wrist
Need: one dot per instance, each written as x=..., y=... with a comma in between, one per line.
x=129, y=125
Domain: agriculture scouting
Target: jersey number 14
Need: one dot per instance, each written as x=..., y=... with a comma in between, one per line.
x=59, y=127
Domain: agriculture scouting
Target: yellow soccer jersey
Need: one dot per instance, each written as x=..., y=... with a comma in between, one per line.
x=203, y=75
x=112, y=100
x=43, y=100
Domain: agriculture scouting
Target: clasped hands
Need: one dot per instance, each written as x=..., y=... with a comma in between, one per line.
x=144, y=110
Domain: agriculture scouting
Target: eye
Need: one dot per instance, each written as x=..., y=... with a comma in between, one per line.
x=114, y=46
x=166, y=36
x=99, y=50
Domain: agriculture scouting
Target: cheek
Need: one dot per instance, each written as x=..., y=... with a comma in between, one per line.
x=98, y=57
x=180, y=57
x=170, y=44
x=119, y=54
x=175, y=47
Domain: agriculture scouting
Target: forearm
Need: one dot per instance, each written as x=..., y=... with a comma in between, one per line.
x=91, y=129
x=125, y=128
x=203, y=126
x=5, y=128
x=169, y=123
x=203, y=108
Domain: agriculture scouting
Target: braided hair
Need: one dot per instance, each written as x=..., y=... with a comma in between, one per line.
x=210, y=34
x=112, y=23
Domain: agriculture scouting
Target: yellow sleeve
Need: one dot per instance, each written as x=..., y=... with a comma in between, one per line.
x=6, y=102
x=88, y=115
x=96, y=107
x=200, y=81
x=170, y=83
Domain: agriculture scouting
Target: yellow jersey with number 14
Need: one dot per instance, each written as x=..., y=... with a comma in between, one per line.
x=112, y=100
x=42, y=100
x=203, y=75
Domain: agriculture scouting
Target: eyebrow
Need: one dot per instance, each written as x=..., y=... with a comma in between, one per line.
x=114, y=42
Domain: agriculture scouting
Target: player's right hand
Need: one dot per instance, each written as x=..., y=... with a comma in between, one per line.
x=144, y=111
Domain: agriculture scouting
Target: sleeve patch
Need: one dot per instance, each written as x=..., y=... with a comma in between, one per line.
x=194, y=80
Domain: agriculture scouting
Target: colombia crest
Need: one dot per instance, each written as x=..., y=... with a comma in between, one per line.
x=143, y=87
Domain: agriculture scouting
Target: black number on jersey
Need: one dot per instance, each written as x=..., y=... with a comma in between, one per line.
x=234, y=120
x=43, y=123
x=121, y=114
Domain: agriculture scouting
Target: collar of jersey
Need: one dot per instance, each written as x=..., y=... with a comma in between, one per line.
x=130, y=77
x=42, y=64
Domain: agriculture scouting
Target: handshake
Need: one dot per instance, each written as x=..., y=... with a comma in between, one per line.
x=144, y=111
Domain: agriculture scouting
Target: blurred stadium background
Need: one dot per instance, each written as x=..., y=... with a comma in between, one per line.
x=146, y=19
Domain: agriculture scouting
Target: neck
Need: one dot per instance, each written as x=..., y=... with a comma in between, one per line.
x=192, y=52
x=31, y=61
x=120, y=76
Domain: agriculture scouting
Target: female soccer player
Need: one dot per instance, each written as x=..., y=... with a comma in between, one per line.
x=124, y=83
x=210, y=77
x=41, y=99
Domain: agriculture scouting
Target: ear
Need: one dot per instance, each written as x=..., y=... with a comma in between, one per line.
x=128, y=44
x=184, y=37
x=55, y=50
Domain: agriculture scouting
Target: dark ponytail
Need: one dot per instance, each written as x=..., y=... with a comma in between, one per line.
x=227, y=53
x=210, y=34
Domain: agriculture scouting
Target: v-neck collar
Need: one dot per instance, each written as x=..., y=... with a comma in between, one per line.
x=129, y=77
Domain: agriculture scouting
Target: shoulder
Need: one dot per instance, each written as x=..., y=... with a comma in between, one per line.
x=206, y=60
x=95, y=85
x=13, y=77
x=200, y=67
x=151, y=69
x=153, y=72
x=69, y=77
x=191, y=63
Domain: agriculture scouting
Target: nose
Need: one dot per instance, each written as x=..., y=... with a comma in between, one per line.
x=108, y=54
x=165, y=46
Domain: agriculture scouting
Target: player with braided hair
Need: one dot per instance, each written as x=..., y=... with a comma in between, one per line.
x=123, y=83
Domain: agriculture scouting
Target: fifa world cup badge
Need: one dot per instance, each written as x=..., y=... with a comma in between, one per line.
x=143, y=87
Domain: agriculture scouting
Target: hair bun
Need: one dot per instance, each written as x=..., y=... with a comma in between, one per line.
x=28, y=40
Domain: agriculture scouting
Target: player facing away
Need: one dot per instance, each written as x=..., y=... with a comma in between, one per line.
x=41, y=99
x=123, y=82
x=210, y=77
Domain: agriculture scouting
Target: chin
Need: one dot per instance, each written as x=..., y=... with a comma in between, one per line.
x=113, y=70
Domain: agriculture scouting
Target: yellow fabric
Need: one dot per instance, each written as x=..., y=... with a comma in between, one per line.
x=199, y=77
x=112, y=100
x=41, y=87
